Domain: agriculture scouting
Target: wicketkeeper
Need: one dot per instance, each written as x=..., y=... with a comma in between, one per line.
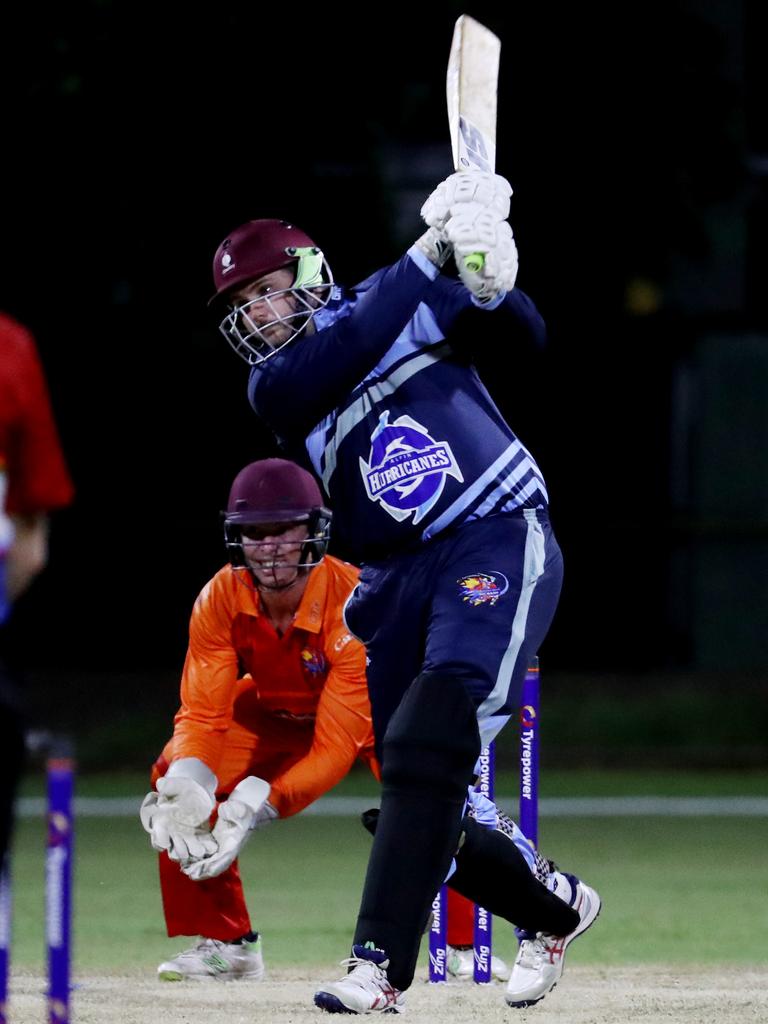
x=274, y=712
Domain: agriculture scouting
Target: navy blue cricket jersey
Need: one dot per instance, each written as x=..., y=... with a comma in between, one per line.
x=395, y=421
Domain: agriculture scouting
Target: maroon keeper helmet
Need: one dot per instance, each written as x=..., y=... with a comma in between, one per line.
x=255, y=248
x=276, y=491
x=272, y=491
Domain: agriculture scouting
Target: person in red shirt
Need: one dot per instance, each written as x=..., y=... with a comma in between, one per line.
x=34, y=481
x=274, y=712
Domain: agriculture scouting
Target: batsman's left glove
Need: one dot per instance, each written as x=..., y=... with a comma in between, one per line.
x=485, y=252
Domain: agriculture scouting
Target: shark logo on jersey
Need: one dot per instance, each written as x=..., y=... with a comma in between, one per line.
x=483, y=587
x=407, y=468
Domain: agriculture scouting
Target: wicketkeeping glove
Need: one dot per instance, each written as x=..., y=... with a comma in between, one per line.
x=177, y=815
x=246, y=809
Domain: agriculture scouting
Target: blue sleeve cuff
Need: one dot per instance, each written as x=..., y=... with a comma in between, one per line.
x=493, y=304
x=421, y=261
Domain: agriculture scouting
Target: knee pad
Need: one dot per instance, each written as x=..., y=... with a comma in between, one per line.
x=430, y=749
x=432, y=741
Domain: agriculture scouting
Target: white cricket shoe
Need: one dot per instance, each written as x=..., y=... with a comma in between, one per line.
x=540, y=961
x=460, y=964
x=365, y=989
x=220, y=961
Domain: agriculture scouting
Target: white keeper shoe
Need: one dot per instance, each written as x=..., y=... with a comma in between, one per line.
x=365, y=989
x=460, y=964
x=540, y=961
x=211, y=959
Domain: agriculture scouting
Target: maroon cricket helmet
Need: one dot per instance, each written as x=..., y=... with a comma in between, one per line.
x=255, y=248
x=272, y=491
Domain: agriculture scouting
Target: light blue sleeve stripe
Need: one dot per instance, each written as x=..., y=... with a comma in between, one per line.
x=512, y=478
x=316, y=442
x=466, y=499
x=348, y=420
x=421, y=331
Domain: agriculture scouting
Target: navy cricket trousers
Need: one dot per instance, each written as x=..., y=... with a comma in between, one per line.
x=476, y=602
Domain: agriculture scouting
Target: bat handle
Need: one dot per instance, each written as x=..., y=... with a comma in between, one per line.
x=474, y=261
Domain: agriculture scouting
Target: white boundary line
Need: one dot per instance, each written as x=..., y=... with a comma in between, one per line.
x=549, y=807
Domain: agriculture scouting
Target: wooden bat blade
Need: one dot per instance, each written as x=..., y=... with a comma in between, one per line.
x=471, y=85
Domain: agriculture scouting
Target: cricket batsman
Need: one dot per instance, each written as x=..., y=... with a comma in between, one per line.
x=447, y=512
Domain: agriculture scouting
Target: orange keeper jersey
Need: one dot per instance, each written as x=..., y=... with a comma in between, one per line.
x=303, y=694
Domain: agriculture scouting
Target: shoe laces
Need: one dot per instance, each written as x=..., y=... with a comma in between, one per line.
x=543, y=947
x=354, y=962
x=204, y=946
x=357, y=966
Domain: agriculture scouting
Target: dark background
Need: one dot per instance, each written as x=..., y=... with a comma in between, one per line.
x=137, y=136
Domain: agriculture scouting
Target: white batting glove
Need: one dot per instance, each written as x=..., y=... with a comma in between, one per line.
x=176, y=816
x=246, y=809
x=435, y=246
x=477, y=188
x=485, y=252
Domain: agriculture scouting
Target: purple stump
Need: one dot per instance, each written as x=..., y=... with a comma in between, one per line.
x=437, y=937
x=6, y=906
x=58, y=885
x=529, y=754
x=483, y=930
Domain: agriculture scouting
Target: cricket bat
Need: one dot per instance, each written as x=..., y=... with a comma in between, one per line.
x=471, y=87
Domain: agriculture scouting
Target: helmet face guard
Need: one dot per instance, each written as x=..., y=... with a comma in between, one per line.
x=259, y=327
x=268, y=497
x=313, y=549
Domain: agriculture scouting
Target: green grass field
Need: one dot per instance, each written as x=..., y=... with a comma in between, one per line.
x=675, y=890
x=554, y=782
